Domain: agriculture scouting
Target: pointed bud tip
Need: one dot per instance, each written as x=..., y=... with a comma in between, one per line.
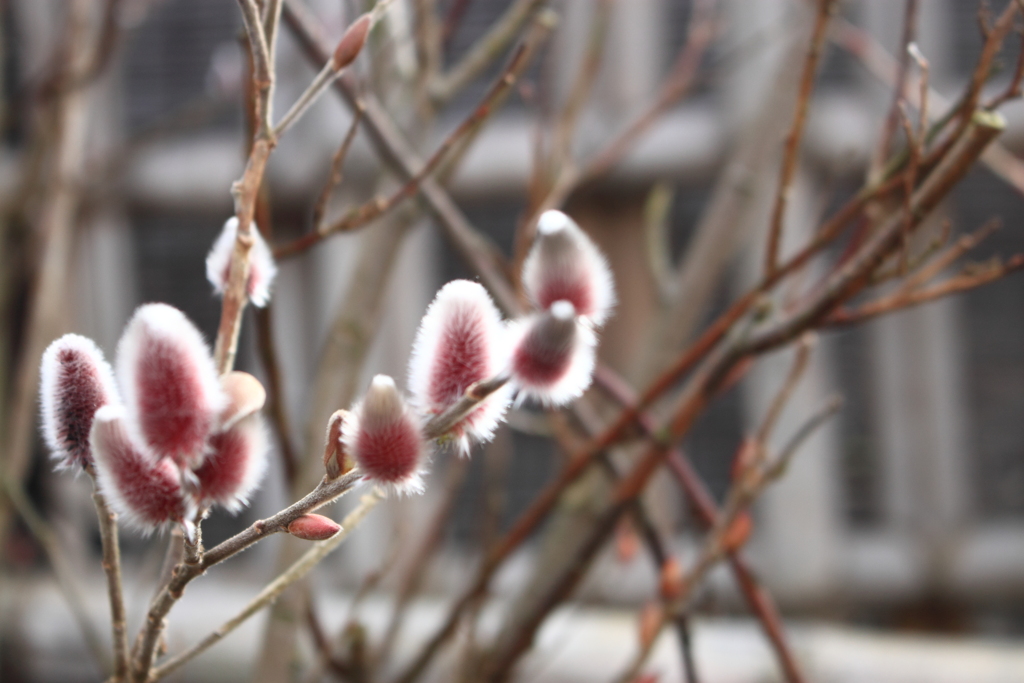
x=351, y=44
x=313, y=527
x=552, y=221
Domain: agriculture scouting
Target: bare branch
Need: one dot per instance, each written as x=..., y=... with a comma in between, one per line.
x=792, y=149
x=272, y=590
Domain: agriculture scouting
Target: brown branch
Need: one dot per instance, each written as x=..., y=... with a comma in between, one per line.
x=699, y=34
x=716, y=545
x=377, y=207
x=272, y=590
x=391, y=145
x=792, y=148
x=706, y=509
x=892, y=120
x=326, y=492
x=484, y=51
x=415, y=573
x=115, y=590
x=963, y=282
x=335, y=176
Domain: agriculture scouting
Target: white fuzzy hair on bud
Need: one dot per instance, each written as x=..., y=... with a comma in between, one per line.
x=75, y=381
x=144, y=491
x=262, y=268
x=384, y=436
x=461, y=340
x=171, y=390
x=565, y=264
x=237, y=461
x=553, y=355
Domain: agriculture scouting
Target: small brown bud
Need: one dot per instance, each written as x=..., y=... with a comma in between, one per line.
x=313, y=527
x=352, y=42
x=670, y=580
x=738, y=532
x=334, y=451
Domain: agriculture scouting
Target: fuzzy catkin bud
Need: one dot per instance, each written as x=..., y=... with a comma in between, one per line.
x=553, y=355
x=460, y=341
x=75, y=380
x=235, y=465
x=171, y=390
x=384, y=436
x=146, y=492
x=262, y=268
x=565, y=264
x=313, y=527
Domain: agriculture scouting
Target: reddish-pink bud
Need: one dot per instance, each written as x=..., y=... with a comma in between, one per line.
x=171, y=390
x=146, y=492
x=235, y=465
x=335, y=461
x=262, y=268
x=461, y=340
x=75, y=380
x=564, y=264
x=245, y=396
x=384, y=436
x=313, y=527
x=553, y=355
x=352, y=42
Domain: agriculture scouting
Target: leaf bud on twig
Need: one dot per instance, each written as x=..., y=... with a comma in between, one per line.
x=75, y=381
x=335, y=461
x=313, y=527
x=351, y=44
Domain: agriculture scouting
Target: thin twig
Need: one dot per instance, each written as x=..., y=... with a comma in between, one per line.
x=272, y=590
x=326, y=492
x=971, y=279
x=902, y=69
x=115, y=588
x=335, y=176
x=796, y=371
x=377, y=207
x=792, y=148
x=479, y=252
x=715, y=546
x=417, y=566
x=483, y=52
x=706, y=510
